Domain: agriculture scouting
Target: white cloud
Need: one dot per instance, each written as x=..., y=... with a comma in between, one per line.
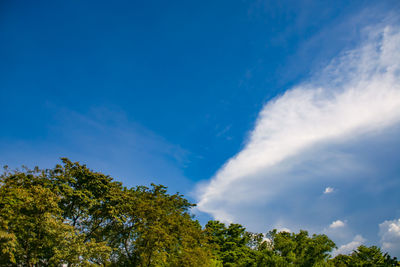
x=357, y=94
x=337, y=224
x=350, y=247
x=328, y=190
x=284, y=229
x=389, y=232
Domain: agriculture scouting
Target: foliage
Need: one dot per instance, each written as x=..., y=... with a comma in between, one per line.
x=73, y=215
x=365, y=256
x=33, y=230
x=155, y=228
x=300, y=249
x=231, y=245
x=234, y=246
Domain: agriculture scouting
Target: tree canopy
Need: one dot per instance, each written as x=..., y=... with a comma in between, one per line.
x=73, y=215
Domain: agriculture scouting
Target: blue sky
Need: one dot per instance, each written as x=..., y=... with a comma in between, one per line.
x=267, y=113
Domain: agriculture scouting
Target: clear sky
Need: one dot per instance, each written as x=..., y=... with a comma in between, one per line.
x=267, y=113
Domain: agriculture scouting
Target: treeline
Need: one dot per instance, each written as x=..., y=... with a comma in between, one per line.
x=75, y=216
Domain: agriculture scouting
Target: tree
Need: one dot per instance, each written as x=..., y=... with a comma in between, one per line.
x=74, y=215
x=300, y=249
x=32, y=228
x=233, y=245
x=156, y=229
x=365, y=256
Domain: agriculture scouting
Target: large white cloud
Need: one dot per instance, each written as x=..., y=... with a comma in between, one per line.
x=389, y=232
x=356, y=95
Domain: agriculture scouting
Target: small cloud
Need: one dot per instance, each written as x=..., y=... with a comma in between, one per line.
x=284, y=229
x=389, y=231
x=358, y=240
x=328, y=190
x=337, y=224
x=281, y=227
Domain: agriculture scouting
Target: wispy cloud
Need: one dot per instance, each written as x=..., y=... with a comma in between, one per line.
x=106, y=140
x=357, y=94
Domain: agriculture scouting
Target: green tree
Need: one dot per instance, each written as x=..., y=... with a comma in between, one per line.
x=74, y=215
x=233, y=245
x=365, y=256
x=33, y=230
x=89, y=199
x=156, y=229
x=71, y=214
x=300, y=249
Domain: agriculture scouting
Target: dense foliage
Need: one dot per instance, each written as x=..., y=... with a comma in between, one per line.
x=73, y=215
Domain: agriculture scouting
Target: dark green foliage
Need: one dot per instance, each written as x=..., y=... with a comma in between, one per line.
x=232, y=245
x=300, y=249
x=366, y=257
